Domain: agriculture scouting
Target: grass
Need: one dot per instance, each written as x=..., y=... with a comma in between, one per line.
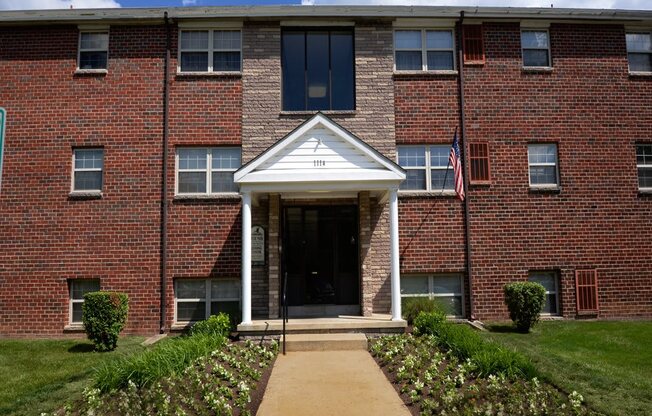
x=40, y=375
x=609, y=363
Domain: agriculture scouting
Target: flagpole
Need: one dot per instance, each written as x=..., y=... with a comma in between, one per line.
x=443, y=185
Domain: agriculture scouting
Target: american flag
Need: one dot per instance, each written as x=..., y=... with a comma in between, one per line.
x=455, y=161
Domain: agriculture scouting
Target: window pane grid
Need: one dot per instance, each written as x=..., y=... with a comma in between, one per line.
x=207, y=170
x=535, y=45
x=216, y=295
x=426, y=168
x=88, y=165
x=424, y=50
x=436, y=287
x=542, y=163
x=210, y=51
x=644, y=165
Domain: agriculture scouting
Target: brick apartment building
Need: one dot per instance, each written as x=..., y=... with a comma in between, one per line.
x=140, y=143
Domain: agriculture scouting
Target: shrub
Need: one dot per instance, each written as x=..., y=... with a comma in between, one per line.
x=524, y=301
x=413, y=306
x=465, y=343
x=169, y=357
x=216, y=325
x=104, y=315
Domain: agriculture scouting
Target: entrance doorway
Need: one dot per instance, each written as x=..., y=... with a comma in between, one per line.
x=320, y=257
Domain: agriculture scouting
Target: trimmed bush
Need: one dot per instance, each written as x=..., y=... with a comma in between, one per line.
x=166, y=358
x=524, y=301
x=465, y=343
x=413, y=306
x=216, y=325
x=104, y=315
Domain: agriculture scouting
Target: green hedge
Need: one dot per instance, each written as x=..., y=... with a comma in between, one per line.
x=104, y=315
x=217, y=325
x=465, y=343
x=524, y=301
x=412, y=307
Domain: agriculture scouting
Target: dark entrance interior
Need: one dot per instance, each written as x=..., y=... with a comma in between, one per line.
x=320, y=255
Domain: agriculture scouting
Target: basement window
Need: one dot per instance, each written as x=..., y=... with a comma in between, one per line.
x=446, y=289
x=78, y=288
x=93, y=51
x=197, y=299
x=639, y=52
x=88, y=170
x=205, y=171
x=550, y=282
x=210, y=51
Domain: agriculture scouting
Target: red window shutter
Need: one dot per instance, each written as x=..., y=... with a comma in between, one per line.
x=479, y=158
x=473, y=44
x=586, y=291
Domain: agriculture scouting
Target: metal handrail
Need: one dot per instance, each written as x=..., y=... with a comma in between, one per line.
x=284, y=305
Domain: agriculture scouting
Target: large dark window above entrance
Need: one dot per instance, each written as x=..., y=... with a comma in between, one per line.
x=318, y=69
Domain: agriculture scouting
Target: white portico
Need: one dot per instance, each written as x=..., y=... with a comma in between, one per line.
x=320, y=160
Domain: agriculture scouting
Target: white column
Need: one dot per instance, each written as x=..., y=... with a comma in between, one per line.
x=394, y=255
x=246, y=257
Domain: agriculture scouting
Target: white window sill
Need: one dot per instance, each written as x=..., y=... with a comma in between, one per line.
x=76, y=327
x=217, y=74
x=545, y=188
x=415, y=193
x=85, y=194
x=640, y=74
x=429, y=73
x=180, y=326
x=91, y=71
x=543, y=69
x=224, y=195
x=645, y=191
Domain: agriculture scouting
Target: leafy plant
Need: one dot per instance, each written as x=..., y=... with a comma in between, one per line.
x=104, y=315
x=412, y=307
x=524, y=301
x=217, y=325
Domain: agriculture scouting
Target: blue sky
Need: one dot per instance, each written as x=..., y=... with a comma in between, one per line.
x=80, y=4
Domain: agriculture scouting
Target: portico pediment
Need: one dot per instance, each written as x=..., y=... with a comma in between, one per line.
x=319, y=155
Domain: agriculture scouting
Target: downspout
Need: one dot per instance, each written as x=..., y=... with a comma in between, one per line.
x=467, y=228
x=164, y=198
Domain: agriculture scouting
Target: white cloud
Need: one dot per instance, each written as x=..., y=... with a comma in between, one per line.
x=188, y=2
x=56, y=4
x=593, y=4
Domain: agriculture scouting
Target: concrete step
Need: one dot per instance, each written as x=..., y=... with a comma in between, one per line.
x=325, y=342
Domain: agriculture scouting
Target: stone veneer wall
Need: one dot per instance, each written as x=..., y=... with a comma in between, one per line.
x=263, y=124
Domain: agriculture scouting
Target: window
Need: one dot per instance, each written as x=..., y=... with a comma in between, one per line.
x=536, y=48
x=473, y=44
x=479, y=158
x=197, y=299
x=644, y=165
x=87, y=169
x=550, y=282
x=424, y=50
x=210, y=51
x=586, y=291
x=639, y=52
x=207, y=171
x=445, y=288
x=542, y=159
x=78, y=288
x=426, y=167
x=318, y=69
x=93, y=50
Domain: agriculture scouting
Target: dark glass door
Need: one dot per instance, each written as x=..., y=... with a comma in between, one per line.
x=320, y=251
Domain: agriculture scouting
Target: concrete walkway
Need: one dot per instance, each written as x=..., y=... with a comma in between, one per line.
x=338, y=383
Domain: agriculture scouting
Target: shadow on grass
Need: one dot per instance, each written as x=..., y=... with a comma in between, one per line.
x=82, y=347
x=504, y=329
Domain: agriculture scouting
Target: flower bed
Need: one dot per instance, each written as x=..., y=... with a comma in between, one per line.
x=433, y=382
x=228, y=381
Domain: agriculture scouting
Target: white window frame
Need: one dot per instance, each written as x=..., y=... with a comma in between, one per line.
x=75, y=170
x=556, y=165
x=643, y=166
x=210, y=50
x=548, y=49
x=424, y=49
x=428, y=167
x=207, y=299
x=637, y=51
x=80, y=50
x=555, y=278
x=209, y=170
x=431, y=286
x=74, y=301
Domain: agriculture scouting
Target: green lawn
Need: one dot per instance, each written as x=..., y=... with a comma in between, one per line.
x=609, y=363
x=41, y=375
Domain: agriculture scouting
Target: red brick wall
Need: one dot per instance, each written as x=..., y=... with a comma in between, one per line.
x=46, y=237
x=595, y=112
